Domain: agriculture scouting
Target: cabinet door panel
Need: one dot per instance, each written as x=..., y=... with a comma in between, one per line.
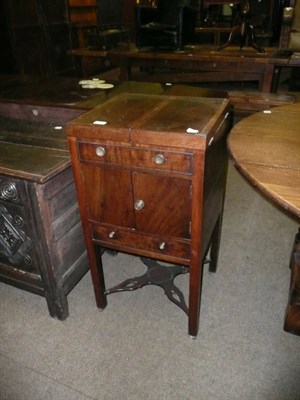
x=109, y=195
x=167, y=204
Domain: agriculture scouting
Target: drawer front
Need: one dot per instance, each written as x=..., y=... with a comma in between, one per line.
x=130, y=240
x=229, y=66
x=218, y=65
x=136, y=158
x=190, y=64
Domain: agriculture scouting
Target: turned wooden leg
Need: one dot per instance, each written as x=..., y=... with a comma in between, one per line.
x=125, y=69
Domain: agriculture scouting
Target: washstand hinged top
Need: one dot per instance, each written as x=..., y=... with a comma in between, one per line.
x=150, y=173
x=131, y=118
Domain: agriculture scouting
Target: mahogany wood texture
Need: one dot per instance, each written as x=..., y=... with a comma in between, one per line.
x=265, y=148
x=114, y=167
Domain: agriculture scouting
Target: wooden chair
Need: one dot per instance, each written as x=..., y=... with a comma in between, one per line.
x=212, y=13
x=290, y=40
x=109, y=29
x=171, y=24
x=290, y=31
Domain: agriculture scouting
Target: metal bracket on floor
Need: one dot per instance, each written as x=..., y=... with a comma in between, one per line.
x=162, y=275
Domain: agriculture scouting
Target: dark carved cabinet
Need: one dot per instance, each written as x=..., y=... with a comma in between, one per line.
x=150, y=175
x=42, y=248
x=16, y=229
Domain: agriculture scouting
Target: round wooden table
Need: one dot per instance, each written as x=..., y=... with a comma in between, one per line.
x=265, y=149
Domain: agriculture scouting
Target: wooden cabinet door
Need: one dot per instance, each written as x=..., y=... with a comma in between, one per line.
x=166, y=207
x=108, y=195
x=149, y=203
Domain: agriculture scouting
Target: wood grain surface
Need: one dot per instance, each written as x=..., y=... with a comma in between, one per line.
x=265, y=148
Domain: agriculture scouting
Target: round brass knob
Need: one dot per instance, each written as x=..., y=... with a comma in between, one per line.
x=139, y=204
x=100, y=151
x=162, y=246
x=159, y=159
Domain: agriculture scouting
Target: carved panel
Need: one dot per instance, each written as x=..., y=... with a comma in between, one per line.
x=14, y=243
x=8, y=190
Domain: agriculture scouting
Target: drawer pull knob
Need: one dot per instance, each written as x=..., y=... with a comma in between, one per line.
x=162, y=245
x=159, y=159
x=112, y=234
x=139, y=204
x=100, y=151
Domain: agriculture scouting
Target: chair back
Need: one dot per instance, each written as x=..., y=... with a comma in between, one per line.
x=109, y=13
x=294, y=39
x=290, y=30
x=296, y=18
x=167, y=11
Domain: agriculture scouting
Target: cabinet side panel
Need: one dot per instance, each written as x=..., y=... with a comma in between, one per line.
x=63, y=232
x=216, y=162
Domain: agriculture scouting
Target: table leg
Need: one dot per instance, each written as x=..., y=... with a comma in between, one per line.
x=215, y=245
x=95, y=262
x=276, y=76
x=125, y=69
x=196, y=272
x=266, y=80
x=292, y=316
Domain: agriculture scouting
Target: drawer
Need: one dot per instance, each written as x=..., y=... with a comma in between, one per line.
x=129, y=240
x=136, y=158
x=218, y=65
x=190, y=64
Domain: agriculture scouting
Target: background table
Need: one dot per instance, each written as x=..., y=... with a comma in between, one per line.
x=193, y=64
